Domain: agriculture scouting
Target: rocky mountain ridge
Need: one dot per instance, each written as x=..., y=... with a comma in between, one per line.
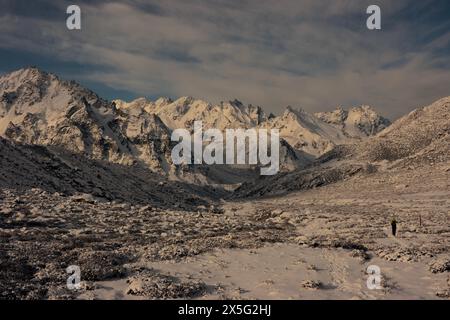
x=38, y=108
x=312, y=134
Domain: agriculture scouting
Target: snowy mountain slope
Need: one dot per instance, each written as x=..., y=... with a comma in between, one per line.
x=182, y=112
x=309, y=133
x=25, y=167
x=411, y=134
x=38, y=108
x=419, y=140
x=358, y=122
x=312, y=135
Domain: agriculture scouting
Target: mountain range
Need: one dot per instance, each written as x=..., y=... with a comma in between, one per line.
x=39, y=109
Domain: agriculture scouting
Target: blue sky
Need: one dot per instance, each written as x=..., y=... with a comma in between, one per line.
x=305, y=53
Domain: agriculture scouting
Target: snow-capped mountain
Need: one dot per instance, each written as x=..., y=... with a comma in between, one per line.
x=358, y=122
x=417, y=141
x=182, y=112
x=38, y=108
x=313, y=134
x=319, y=133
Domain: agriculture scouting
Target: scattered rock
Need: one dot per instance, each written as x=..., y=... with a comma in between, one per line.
x=312, y=284
x=158, y=286
x=440, y=265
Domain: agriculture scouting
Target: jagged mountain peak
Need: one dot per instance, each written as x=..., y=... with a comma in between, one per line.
x=336, y=116
x=356, y=122
x=38, y=108
x=299, y=116
x=317, y=133
x=295, y=113
x=365, y=110
x=186, y=100
x=290, y=109
x=236, y=103
x=136, y=103
x=144, y=103
x=28, y=74
x=163, y=101
x=30, y=77
x=32, y=86
x=182, y=112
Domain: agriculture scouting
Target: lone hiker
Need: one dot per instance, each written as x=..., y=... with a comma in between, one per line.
x=394, y=226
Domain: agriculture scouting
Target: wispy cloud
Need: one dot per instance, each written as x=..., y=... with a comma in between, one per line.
x=309, y=53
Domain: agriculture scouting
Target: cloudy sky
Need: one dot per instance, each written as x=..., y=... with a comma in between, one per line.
x=314, y=54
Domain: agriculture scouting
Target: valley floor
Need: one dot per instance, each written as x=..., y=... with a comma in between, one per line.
x=314, y=244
